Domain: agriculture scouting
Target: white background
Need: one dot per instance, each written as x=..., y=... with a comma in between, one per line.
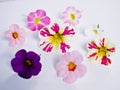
x=98, y=77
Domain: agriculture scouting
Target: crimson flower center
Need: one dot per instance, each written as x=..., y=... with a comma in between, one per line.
x=15, y=35
x=72, y=66
x=28, y=62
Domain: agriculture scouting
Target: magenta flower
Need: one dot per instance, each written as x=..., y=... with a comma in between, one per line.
x=16, y=35
x=37, y=20
x=100, y=50
x=54, y=37
x=71, y=16
x=26, y=64
x=70, y=67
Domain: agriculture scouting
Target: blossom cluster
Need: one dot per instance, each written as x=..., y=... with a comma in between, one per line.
x=55, y=36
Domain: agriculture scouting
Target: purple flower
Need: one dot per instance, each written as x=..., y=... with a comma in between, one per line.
x=26, y=64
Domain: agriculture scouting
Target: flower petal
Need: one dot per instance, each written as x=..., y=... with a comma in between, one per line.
x=32, y=26
x=21, y=54
x=40, y=13
x=93, y=45
x=55, y=28
x=70, y=78
x=45, y=21
x=31, y=17
x=80, y=70
x=45, y=32
x=63, y=47
x=105, y=61
x=68, y=32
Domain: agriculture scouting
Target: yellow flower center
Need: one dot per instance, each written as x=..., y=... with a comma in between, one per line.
x=95, y=31
x=37, y=20
x=56, y=39
x=72, y=16
x=28, y=62
x=15, y=35
x=102, y=51
x=72, y=66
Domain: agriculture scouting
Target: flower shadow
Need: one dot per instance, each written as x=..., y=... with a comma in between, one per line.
x=16, y=83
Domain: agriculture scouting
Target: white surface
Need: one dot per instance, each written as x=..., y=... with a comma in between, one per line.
x=103, y=12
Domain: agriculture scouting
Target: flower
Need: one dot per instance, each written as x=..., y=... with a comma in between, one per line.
x=26, y=64
x=71, y=16
x=16, y=35
x=55, y=37
x=94, y=31
x=70, y=67
x=37, y=20
x=100, y=50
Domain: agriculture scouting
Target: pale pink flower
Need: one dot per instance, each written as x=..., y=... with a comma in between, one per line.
x=16, y=35
x=71, y=16
x=100, y=50
x=70, y=67
x=37, y=20
x=55, y=37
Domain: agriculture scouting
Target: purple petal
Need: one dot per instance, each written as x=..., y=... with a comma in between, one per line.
x=36, y=68
x=55, y=28
x=40, y=13
x=45, y=21
x=33, y=57
x=26, y=74
x=21, y=54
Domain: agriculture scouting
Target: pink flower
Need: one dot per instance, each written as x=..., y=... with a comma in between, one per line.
x=54, y=37
x=37, y=20
x=71, y=16
x=70, y=67
x=16, y=35
x=100, y=50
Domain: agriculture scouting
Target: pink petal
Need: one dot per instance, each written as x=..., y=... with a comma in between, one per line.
x=47, y=47
x=63, y=47
x=102, y=42
x=80, y=70
x=12, y=43
x=8, y=34
x=32, y=26
x=92, y=55
x=39, y=26
x=93, y=45
x=111, y=49
x=45, y=21
x=61, y=69
x=45, y=32
x=40, y=13
x=78, y=14
x=105, y=61
x=31, y=17
x=68, y=32
x=70, y=78
x=55, y=28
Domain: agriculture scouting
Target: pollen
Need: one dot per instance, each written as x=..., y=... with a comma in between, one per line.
x=71, y=66
x=72, y=16
x=37, y=20
x=15, y=35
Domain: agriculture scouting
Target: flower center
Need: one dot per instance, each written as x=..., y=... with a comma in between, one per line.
x=28, y=62
x=102, y=51
x=72, y=16
x=37, y=20
x=71, y=66
x=15, y=35
x=56, y=39
x=95, y=31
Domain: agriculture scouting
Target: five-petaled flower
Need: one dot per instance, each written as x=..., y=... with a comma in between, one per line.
x=100, y=50
x=70, y=67
x=55, y=37
x=37, y=20
x=71, y=16
x=26, y=64
x=16, y=35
